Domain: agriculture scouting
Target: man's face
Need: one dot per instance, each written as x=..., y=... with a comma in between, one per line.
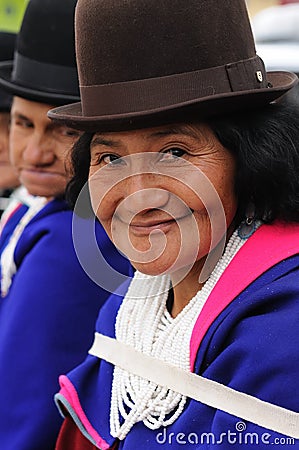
x=8, y=174
x=39, y=148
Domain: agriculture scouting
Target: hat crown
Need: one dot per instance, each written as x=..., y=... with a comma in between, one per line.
x=148, y=62
x=47, y=32
x=7, y=46
x=44, y=65
x=139, y=39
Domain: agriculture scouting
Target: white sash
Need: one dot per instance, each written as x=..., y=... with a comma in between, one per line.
x=201, y=389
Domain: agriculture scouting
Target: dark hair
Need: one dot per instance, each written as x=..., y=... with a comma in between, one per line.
x=265, y=143
x=80, y=163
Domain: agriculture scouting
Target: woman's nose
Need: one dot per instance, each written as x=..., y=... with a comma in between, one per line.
x=141, y=196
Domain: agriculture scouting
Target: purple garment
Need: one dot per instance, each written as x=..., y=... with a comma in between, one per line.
x=46, y=322
x=252, y=346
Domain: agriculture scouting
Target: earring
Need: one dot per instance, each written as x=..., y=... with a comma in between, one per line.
x=249, y=225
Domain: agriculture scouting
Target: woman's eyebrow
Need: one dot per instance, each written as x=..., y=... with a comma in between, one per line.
x=178, y=130
x=99, y=140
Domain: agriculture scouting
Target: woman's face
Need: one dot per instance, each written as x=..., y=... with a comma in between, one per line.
x=164, y=195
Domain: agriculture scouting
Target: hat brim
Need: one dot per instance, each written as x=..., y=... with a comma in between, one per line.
x=51, y=98
x=280, y=82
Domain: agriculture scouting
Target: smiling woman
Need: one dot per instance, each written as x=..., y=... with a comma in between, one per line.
x=149, y=191
x=190, y=161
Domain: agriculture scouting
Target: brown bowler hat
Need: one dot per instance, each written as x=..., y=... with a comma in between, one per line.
x=142, y=62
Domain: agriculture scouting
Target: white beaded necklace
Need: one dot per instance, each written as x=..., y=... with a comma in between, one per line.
x=144, y=323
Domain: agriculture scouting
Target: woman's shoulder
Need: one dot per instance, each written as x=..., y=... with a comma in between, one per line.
x=108, y=313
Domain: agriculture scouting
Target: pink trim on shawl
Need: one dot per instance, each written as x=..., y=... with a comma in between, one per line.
x=5, y=219
x=69, y=392
x=269, y=245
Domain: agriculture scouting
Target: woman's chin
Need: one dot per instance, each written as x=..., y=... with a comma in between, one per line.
x=144, y=268
x=159, y=267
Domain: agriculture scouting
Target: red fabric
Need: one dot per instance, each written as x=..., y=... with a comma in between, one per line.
x=285, y=2
x=71, y=438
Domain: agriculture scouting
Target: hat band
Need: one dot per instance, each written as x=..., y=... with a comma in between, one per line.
x=172, y=90
x=44, y=76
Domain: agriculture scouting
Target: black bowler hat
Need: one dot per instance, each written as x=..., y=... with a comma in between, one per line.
x=44, y=64
x=143, y=62
x=7, y=45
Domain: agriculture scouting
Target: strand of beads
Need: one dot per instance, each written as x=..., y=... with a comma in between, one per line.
x=144, y=323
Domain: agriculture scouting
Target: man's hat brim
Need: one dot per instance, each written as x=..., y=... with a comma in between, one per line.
x=279, y=83
x=37, y=95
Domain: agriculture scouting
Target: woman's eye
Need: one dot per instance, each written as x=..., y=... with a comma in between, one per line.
x=112, y=159
x=172, y=153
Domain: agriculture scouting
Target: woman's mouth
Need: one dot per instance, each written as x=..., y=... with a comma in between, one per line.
x=146, y=228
